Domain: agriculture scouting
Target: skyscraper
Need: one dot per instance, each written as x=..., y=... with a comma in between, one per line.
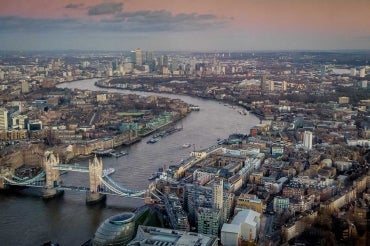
x=138, y=57
x=218, y=194
x=133, y=56
x=25, y=88
x=263, y=84
x=307, y=140
x=3, y=119
x=208, y=220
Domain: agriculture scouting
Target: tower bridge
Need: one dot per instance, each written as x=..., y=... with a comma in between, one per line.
x=99, y=185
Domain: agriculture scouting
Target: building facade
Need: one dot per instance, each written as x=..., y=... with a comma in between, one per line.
x=3, y=119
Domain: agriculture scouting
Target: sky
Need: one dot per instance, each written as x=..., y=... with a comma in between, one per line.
x=184, y=25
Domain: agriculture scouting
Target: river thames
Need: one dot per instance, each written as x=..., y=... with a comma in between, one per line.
x=28, y=220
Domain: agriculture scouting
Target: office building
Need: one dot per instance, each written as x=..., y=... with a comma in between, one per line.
x=25, y=88
x=343, y=100
x=271, y=85
x=307, y=140
x=133, y=56
x=217, y=194
x=249, y=201
x=196, y=196
x=19, y=121
x=281, y=204
x=364, y=84
x=138, y=57
x=362, y=72
x=34, y=125
x=208, y=220
x=3, y=119
x=263, y=83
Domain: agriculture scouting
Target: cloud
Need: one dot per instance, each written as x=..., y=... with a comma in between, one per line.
x=14, y=24
x=163, y=20
x=74, y=5
x=120, y=22
x=105, y=8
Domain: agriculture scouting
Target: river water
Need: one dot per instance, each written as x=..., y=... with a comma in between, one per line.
x=28, y=220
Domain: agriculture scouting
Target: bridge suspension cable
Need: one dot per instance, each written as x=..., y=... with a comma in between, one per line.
x=118, y=186
x=114, y=187
x=21, y=181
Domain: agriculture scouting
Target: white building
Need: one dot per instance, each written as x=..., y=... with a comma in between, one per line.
x=3, y=119
x=364, y=84
x=362, y=72
x=244, y=226
x=19, y=121
x=307, y=140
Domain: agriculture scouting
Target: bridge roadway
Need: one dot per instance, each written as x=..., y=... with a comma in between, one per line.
x=74, y=168
x=108, y=185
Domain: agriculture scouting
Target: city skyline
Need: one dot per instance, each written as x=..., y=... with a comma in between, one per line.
x=169, y=25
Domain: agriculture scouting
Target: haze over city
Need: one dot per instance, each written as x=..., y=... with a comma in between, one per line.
x=192, y=25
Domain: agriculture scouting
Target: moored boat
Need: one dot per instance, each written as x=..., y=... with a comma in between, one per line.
x=154, y=176
x=186, y=145
x=194, y=107
x=108, y=171
x=152, y=141
x=119, y=154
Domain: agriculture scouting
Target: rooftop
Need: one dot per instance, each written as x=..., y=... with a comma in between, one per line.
x=148, y=235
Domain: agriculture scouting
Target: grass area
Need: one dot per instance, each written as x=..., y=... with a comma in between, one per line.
x=142, y=217
x=135, y=114
x=149, y=218
x=153, y=220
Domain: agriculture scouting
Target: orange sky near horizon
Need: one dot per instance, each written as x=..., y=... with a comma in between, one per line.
x=333, y=16
x=185, y=24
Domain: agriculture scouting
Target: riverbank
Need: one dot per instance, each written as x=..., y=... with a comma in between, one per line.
x=101, y=84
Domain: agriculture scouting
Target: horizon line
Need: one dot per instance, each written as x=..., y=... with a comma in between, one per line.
x=195, y=51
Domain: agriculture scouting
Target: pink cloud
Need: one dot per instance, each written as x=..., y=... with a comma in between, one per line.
x=316, y=16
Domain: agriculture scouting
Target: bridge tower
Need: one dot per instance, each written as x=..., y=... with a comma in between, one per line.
x=95, y=173
x=52, y=175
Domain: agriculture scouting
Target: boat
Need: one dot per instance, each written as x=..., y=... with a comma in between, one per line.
x=108, y=171
x=154, y=176
x=63, y=172
x=243, y=112
x=102, y=152
x=119, y=154
x=220, y=141
x=123, y=153
x=152, y=141
x=186, y=145
x=194, y=107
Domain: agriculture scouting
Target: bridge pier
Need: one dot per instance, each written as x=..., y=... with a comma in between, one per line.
x=94, y=198
x=49, y=193
x=52, y=176
x=95, y=172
